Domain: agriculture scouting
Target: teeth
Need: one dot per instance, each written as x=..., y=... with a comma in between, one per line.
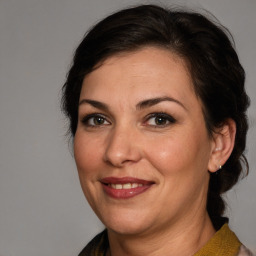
x=125, y=186
x=134, y=185
x=119, y=186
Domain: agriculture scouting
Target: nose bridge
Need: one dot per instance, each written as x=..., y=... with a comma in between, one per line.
x=121, y=145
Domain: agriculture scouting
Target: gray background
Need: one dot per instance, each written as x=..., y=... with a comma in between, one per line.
x=42, y=209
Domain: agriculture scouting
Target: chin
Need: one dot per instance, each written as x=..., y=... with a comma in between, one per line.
x=127, y=230
x=127, y=224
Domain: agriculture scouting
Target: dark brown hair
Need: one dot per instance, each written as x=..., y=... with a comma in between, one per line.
x=214, y=66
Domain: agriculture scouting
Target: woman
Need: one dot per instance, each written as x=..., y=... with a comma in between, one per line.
x=156, y=104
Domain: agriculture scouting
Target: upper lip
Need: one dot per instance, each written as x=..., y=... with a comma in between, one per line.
x=125, y=180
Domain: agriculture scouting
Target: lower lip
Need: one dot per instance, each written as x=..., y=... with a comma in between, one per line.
x=125, y=193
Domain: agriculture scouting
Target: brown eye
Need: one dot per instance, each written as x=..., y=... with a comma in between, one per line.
x=160, y=120
x=98, y=120
x=95, y=120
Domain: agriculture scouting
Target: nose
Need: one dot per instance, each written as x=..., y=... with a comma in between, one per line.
x=122, y=147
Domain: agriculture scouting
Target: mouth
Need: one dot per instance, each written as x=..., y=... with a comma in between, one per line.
x=124, y=188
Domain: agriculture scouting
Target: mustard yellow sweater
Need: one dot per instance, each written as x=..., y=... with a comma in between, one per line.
x=224, y=242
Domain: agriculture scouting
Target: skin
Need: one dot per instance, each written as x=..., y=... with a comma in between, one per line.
x=169, y=218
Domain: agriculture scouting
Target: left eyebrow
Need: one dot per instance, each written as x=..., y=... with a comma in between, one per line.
x=153, y=101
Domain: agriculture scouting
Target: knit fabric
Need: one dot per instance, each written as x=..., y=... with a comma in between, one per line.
x=224, y=242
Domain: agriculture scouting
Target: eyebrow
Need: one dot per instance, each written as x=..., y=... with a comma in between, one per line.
x=94, y=103
x=151, y=102
x=141, y=105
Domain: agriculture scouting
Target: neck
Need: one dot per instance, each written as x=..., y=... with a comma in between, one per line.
x=178, y=240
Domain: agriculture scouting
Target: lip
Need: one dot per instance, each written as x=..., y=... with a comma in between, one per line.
x=122, y=193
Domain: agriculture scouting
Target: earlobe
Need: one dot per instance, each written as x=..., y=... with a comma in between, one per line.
x=222, y=146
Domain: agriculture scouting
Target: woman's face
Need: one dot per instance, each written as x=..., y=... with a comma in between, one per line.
x=141, y=146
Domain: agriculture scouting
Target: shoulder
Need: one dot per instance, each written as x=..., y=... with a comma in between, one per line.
x=224, y=242
x=244, y=251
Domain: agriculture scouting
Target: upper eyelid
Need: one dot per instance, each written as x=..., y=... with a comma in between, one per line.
x=163, y=114
x=169, y=117
x=88, y=116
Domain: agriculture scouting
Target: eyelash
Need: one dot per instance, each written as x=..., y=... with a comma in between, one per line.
x=166, y=118
x=85, y=120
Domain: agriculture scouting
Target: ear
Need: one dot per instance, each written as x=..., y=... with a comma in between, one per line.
x=222, y=145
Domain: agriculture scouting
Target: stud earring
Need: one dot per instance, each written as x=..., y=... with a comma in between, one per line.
x=217, y=149
x=218, y=169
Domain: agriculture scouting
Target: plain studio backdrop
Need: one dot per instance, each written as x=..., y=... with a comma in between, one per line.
x=42, y=208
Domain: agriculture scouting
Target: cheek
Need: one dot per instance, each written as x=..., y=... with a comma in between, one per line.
x=178, y=153
x=168, y=158
x=86, y=155
x=87, y=160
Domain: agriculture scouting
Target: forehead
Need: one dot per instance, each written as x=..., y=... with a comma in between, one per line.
x=150, y=70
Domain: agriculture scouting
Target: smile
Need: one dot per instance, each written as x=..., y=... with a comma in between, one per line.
x=124, y=188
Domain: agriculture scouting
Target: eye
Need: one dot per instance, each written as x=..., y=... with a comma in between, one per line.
x=159, y=120
x=94, y=120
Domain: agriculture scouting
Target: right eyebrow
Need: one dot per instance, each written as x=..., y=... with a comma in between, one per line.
x=94, y=103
